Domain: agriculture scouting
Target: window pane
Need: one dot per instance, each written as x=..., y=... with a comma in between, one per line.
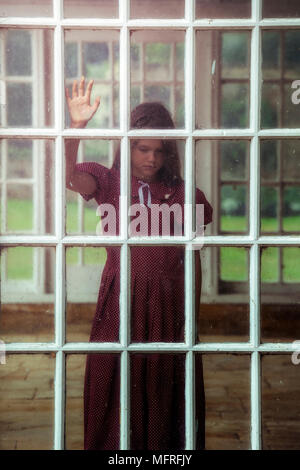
x=19, y=105
x=19, y=162
x=291, y=160
x=280, y=403
x=223, y=8
x=96, y=158
x=21, y=8
x=291, y=209
x=93, y=291
x=27, y=402
x=157, y=64
x=223, y=315
x=157, y=278
x=270, y=153
x=157, y=390
x=92, y=397
x=98, y=56
x=28, y=206
x=222, y=79
x=20, y=207
x=280, y=175
x=287, y=9
x=269, y=209
x=91, y=9
x=18, y=53
x=291, y=263
x=27, y=294
x=270, y=265
x=27, y=60
x=280, y=67
x=156, y=9
x=227, y=401
x=280, y=279
x=222, y=170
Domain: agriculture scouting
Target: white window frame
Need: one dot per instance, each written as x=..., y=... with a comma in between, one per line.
x=254, y=240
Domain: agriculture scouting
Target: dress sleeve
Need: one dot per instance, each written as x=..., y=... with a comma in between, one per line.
x=101, y=175
x=208, y=210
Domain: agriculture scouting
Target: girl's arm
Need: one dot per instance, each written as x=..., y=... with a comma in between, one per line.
x=198, y=284
x=81, y=112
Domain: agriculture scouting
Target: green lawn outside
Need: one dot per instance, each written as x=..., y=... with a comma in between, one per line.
x=233, y=260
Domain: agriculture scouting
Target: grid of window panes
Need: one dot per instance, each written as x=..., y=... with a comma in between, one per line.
x=225, y=71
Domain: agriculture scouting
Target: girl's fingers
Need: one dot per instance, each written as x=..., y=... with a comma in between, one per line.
x=74, y=89
x=89, y=90
x=96, y=104
x=81, y=87
x=67, y=93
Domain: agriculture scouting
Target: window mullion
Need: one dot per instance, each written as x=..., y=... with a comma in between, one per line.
x=125, y=191
x=254, y=221
x=59, y=204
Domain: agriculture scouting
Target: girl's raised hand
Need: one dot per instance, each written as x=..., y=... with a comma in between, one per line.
x=80, y=109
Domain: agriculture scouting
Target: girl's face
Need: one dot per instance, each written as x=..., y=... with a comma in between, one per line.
x=147, y=158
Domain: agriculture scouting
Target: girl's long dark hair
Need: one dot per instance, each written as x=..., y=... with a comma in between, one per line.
x=156, y=116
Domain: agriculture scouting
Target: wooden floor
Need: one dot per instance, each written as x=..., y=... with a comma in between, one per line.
x=27, y=391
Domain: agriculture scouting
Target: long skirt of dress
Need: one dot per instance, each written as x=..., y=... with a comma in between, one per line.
x=157, y=380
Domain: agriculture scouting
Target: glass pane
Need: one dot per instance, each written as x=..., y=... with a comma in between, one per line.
x=291, y=60
x=157, y=389
x=269, y=209
x=233, y=156
x=157, y=279
x=158, y=70
x=270, y=106
x=223, y=8
x=222, y=84
x=93, y=293
x=269, y=154
x=222, y=166
x=227, y=401
x=19, y=105
x=83, y=213
x=25, y=9
x=280, y=68
x=287, y=9
x=291, y=264
x=156, y=9
x=223, y=315
x=280, y=278
x=270, y=265
x=291, y=209
x=233, y=208
x=91, y=9
x=18, y=53
x=92, y=402
x=19, y=209
x=280, y=209
x=27, y=60
x=27, y=294
x=27, y=402
x=94, y=55
x=270, y=54
x=291, y=160
x=19, y=162
x=280, y=403
x=29, y=205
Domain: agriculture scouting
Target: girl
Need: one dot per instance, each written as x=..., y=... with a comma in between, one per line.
x=157, y=292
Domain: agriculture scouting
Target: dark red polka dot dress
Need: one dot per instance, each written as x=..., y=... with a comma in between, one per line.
x=157, y=380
